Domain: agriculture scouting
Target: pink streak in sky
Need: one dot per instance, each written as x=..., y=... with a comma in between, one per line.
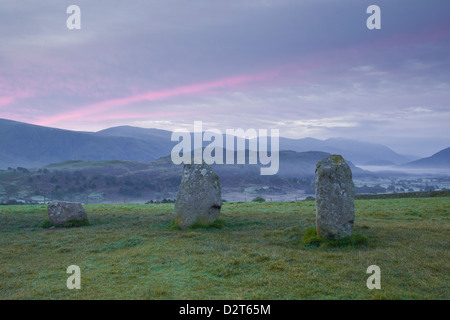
x=131, y=115
x=5, y=101
x=98, y=111
x=158, y=95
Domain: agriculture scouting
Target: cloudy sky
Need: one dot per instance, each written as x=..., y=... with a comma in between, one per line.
x=310, y=68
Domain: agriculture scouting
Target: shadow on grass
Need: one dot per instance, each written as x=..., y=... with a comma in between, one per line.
x=69, y=224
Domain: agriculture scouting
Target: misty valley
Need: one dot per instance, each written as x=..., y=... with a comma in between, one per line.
x=37, y=165
x=158, y=181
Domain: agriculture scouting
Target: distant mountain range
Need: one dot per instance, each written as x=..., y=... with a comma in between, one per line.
x=32, y=146
x=360, y=153
x=440, y=159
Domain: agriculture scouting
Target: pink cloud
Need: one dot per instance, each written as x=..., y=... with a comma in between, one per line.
x=6, y=100
x=156, y=95
x=134, y=115
x=347, y=57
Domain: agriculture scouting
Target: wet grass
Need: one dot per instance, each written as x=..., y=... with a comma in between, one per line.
x=311, y=240
x=255, y=251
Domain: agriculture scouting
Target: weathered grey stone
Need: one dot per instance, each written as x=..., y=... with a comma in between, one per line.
x=61, y=212
x=199, y=197
x=335, y=198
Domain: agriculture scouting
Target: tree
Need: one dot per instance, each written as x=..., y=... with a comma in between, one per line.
x=259, y=199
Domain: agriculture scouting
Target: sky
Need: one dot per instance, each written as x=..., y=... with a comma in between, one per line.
x=310, y=68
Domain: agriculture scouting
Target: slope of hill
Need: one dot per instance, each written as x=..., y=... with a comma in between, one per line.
x=440, y=159
x=29, y=145
x=136, y=132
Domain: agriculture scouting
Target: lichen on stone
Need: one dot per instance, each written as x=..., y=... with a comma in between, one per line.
x=337, y=158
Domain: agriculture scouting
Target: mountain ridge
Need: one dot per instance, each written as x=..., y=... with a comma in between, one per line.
x=28, y=145
x=440, y=159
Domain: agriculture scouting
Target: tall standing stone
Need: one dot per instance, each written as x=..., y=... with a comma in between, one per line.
x=63, y=212
x=199, y=198
x=335, y=198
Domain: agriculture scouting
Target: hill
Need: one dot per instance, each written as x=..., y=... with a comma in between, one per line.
x=440, y=159
x=136, y=132
x=30, y=146
x=356, y=151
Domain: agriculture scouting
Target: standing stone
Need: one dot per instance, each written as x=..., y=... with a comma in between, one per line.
x=335, y=198
x=199, y=197
x=61, y=212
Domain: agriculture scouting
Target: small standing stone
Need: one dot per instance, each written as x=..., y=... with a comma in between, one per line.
x=199, y=198
x=335, y=198
x=61, y=212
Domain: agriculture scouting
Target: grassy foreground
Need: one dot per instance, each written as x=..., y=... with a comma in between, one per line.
x=257, y=251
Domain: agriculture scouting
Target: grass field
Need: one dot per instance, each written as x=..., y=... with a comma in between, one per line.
x=256, y=251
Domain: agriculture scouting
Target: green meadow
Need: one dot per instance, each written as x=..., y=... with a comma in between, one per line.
x=255, y=251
